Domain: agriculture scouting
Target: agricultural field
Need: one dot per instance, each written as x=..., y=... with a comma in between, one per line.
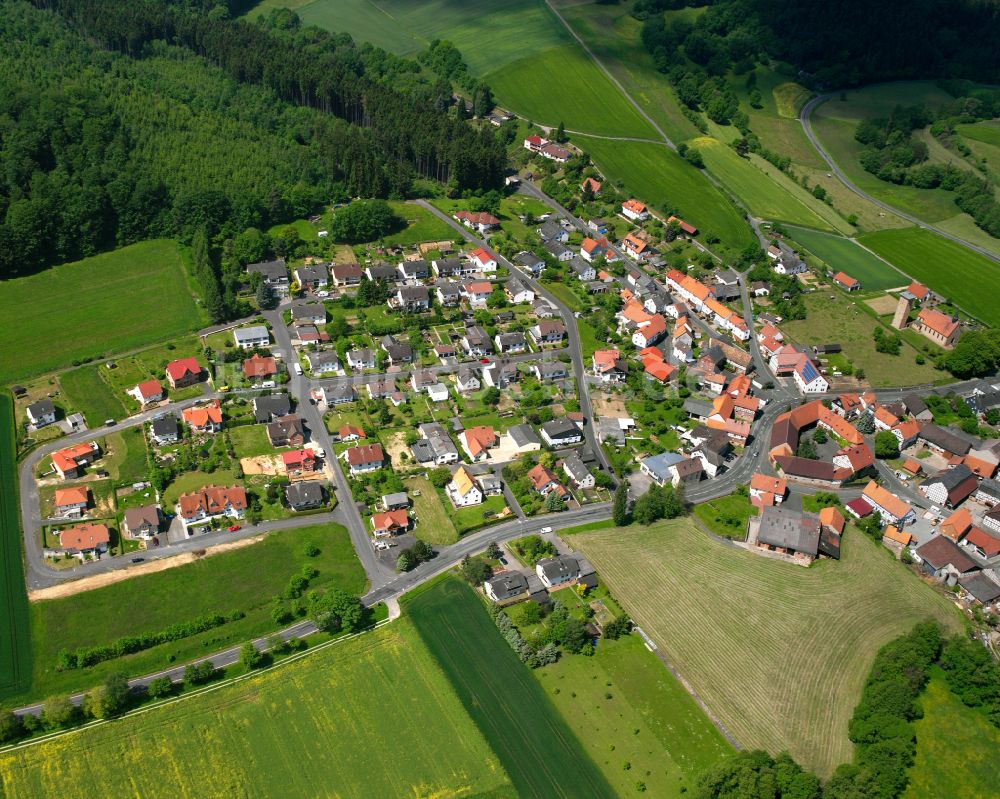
x=773, y=196
x=840, y=254
x=778, y=652
x=15, y=643
x=624, y=688
x=833, y=318
x=951, y=270
x=85, y=390
x=613, y=35
x=314, y=725
x=535, y=745
x=109, y=303
x=244, y=578
x=956, y=748
x=661, y=178
x=565, y=85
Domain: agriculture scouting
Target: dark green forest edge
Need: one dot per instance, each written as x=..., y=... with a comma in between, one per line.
x=882, y=728
x=174, y=119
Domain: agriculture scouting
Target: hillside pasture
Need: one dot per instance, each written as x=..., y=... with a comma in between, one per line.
x=950, y=269
x=109, y=303
x=659, y=177
x=767, y=196
x=564, y=84
x=840, y=254
x=244, y=579
x=372, y=716
x=537, y=748
x=778, y=652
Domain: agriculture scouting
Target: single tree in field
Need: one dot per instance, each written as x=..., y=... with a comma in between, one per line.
x=493, y=551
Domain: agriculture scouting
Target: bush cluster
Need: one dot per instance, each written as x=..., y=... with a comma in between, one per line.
x=89, y=656
x=531, y=657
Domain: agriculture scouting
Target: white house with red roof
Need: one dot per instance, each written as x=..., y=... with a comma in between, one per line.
x=147, y=392
x=484, y=260
x=480, y=221
x=635, y=211
x=535, y=143
x=846, y=282
x=183, y=372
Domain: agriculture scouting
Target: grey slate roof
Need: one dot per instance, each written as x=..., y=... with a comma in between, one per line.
x=271, y=407
x=790, y=529
x=305, y=494
x=523, y=434
x=559, y=569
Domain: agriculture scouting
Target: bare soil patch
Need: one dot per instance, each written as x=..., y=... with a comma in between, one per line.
x=882, y=305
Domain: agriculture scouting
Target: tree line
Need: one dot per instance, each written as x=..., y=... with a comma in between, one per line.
x=843, y=44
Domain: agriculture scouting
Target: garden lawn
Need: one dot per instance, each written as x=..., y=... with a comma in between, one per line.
x=778, y=652
x=726, y=516
x=635, y=712
x=776, y=198
x=950, y=269
x=85, y=390
x=250, y=440
x=307, y=728
x=105, y=304
x=243, y=579
x=660, y=178
x=831, y=317
x=539, y=750
x=956, y=748
x=15, y=641
x=475, y=516
x=840, y=254
x=433, y=524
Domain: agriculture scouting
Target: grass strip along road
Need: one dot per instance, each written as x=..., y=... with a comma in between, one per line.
x=15, y=642
x=540, y=752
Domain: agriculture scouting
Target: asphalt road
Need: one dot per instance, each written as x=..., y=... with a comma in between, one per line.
x=805, y=116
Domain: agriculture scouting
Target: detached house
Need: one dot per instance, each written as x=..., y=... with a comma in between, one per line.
x=517, y=292
x=346, y=274
x=247, y=338
x=561, y=433
x=314, y=314
x=364, y=458
x=412, y=299
x=846, y=282
x=477, y=441
x=634, y=211
x=274, y=274
x=480, y=221
x=43, y=412
x=477, y=292
x=609, y=366
x=204, y=418
x=287, y=431
x=85, y=540
x=260, y=368
x=312, y=276
x=360, y=359
x=483, y=260
x=142, y=522
x=547, y=332
x=298, y=462
x=414, y=271
x=183, y=372
x=463, y=490
x=476, y=341
x=510, y=343
x=544, y=481
x=147, y=392
x=71, y=502
x=448, y=294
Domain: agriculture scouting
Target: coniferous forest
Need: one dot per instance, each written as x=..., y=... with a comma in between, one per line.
x=125, y=121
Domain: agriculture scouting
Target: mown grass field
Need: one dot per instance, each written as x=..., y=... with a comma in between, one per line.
x=775, y=198
x=109, y=303
x=15, y=638
x=949, y=269
x=778, y=652
x=956, y=748
x=833, y=318
x=658, y=176
x=421, y=225
x=242, y=579
x=843, y=254
x=624, y=688
x=539, y=751
x=370, y=717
